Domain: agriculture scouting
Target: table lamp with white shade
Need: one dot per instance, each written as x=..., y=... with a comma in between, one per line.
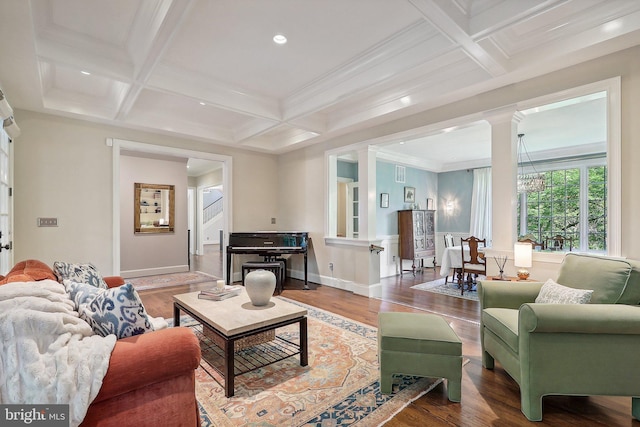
x=522, y=258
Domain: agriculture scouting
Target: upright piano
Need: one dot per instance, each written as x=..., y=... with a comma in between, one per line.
x=268, y=244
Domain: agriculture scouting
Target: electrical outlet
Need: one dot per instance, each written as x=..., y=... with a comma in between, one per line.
x=47, y=222
x=273, y=220
x=331, y=266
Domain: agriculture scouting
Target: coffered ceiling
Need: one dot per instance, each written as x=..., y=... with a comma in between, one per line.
x=209, y=69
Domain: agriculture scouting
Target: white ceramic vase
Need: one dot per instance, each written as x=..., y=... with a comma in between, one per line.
x=260, y=285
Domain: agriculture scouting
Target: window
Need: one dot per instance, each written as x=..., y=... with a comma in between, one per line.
x=597, y=205
x=573, y=205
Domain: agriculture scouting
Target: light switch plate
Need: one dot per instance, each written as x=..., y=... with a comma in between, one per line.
x=47, y=222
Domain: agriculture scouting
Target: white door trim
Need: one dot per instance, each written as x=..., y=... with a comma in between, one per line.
x=122, y=144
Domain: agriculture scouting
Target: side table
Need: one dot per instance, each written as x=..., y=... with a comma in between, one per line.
x=510, y=279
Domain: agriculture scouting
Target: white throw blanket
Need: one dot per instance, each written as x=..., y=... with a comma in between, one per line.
x=48, y=354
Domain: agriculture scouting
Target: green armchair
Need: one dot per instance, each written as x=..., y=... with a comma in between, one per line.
x=567, y=349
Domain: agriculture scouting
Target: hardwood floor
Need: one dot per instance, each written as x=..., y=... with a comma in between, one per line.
x=489, y=398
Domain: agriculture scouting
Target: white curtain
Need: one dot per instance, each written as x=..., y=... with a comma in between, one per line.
x=481, y=204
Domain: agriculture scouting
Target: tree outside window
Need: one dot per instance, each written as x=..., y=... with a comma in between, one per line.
x=597, y=209
x=572, y=205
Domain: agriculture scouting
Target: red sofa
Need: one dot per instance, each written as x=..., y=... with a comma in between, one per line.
x=151, y=377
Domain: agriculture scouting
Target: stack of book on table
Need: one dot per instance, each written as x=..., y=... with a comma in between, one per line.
x=218, y=294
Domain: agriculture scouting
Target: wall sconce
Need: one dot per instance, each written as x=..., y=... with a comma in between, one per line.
x=449, y=207
x=11, y=127
x=522, y=258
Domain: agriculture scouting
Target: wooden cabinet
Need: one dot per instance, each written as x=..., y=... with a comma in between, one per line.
x=416, y=230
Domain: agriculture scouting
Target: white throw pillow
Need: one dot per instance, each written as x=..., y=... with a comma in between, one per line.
x=554, y=293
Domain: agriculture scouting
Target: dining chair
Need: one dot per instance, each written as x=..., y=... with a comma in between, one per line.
x=448, y=243
x=473, y=261
x=537, y=246
x=558, y=243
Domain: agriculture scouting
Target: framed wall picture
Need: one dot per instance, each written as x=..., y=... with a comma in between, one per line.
x=400, y=174
x=384, y=200
x=409, y=194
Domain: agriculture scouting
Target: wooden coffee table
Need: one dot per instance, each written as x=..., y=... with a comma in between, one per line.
x=236, y=320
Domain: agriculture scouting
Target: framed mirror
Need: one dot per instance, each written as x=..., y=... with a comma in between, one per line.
x=154, y=208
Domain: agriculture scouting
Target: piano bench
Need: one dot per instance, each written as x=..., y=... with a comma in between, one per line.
x=283, y=261
x=277, y=267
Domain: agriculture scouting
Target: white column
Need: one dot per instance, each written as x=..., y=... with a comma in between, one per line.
x=504, y=171
x=367, y=185
x=331, y=197
x=368, y=200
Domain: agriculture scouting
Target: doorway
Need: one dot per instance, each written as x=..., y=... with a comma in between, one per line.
x=225, y=172
x=212, y=216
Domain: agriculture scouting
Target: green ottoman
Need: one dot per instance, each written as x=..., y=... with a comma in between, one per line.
x=419, y=344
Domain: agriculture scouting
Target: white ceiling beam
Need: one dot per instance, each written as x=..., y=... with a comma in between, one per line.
x=117, y=67
x=295, y=139
x=279, y=144
x=412, y=161
x=151, y=119
x=447, y=76
x=592, y=40
x=163, y=20
x=153, y=26
x=80, y=103
x=197, y=86
x=507, y=13
x=314, y=123
x=254, y=128
x=406, y=50
x=451, y=28
x=258, y=131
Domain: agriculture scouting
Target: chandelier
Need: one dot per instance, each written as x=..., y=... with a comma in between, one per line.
x=528, y=182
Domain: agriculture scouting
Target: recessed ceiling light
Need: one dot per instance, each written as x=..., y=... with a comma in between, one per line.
x=279, y=39
x=86, y=73
x=202, y=103
x=401, y=142
x=612, y=26
x=405, y=100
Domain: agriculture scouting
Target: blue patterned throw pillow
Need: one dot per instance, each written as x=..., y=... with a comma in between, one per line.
x=117, y=311
x=80, y=293
x=79, y=273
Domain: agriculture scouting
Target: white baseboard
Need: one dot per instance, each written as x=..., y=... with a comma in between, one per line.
x=334, y=282
x=154, y=271
x=349, y=285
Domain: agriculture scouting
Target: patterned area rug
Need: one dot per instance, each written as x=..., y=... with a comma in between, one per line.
x=172, y=279
x=339, y=387
x=438, y=286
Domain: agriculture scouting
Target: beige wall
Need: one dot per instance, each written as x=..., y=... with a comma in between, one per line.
x=146, y=253
x=63, y=168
